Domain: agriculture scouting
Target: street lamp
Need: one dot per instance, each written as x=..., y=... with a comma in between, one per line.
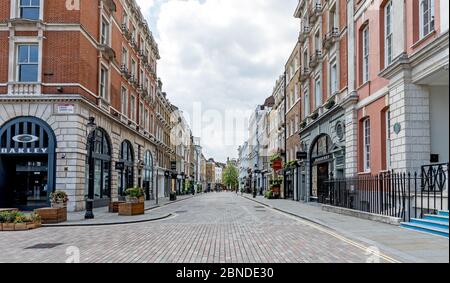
x=91, y=126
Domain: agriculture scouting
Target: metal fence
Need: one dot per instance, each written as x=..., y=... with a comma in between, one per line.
x=402, y=195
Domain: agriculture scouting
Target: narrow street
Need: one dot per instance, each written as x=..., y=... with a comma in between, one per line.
x=210, y=228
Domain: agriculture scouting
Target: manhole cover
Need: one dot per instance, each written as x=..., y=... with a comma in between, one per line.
x=181, y=211
x=44, y=246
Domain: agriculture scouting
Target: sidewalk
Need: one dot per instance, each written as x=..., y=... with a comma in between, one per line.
x=103, y=217
x=402, y=244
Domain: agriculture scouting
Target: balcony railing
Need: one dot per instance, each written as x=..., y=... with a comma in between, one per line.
x=304, y=33
x=331, y=37
x=314, y=60
x=19, y=88
x=315, y=12
x=304, y=74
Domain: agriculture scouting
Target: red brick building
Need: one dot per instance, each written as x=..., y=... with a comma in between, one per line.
x=62, y=63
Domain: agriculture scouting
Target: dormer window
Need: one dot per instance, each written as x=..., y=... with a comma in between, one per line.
x=29, y=9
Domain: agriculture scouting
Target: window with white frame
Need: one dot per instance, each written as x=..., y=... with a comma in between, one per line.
x=133, y=108
x=306, y=103
x=29, y=9
x=151, y=123
x=333, y=77
x=104, y=35
x=366, y=144
x=305, y=59
x=27, y=62
x=133, y=68
x=426, y=17
x=141, y=114
x=125, y=19
x=146, y=122
x=318, y=92
x=125, y=57
x=124, y=101
x=297, y=96
x=317, y=43
x=103, y=83
x=388, y=34
x=365, y=54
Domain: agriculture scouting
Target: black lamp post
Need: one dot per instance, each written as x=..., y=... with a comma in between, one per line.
x=91, y=126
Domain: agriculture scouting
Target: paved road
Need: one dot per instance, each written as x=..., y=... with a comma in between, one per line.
x=211, y=228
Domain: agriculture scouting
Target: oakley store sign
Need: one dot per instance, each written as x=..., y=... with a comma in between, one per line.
x=23, y=150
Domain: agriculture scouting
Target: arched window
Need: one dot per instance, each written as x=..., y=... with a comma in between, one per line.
x=126, y=176
x=101, y=154
x=148, y=174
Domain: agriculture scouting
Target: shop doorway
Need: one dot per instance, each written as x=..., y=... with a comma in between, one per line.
x=27, y=163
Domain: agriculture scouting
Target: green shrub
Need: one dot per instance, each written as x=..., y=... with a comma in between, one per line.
x=135, y=192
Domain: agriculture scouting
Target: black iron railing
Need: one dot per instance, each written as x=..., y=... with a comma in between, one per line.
x=402, y=195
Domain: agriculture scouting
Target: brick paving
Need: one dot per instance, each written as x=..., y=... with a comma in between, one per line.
x=210, y=228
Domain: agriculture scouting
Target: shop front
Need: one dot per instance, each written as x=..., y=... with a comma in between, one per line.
x=100, y=168
x=126, y=159
x=27, y=163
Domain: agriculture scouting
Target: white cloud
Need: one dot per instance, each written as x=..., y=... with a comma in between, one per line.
x=226, y=54
x=146, y=5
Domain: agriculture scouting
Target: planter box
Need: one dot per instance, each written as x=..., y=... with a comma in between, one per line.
x=20, y=227
x=131, y=209
x=8, y=226
x=52, y=215
x=114, y=206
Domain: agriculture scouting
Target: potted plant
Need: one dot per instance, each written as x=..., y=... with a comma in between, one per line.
x=8, y=219
x=59, y=199
x=330, y=103
x=303, y=124
x=135, y=195
x=314, y=115
x=276, y=162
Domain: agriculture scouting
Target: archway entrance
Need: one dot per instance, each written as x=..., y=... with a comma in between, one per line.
x=27, y=163
x=126, y=177
x=101, y=169
x=148, y=175
x=321, y=167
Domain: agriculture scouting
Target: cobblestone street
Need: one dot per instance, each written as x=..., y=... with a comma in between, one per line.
x=213, y=228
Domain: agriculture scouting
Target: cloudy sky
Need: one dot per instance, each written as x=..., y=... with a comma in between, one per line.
x=219, y=59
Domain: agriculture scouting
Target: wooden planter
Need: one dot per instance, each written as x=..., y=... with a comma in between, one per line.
x=8, y=227
x=52, y=215
x=20, y=227
x=114, y=206
x=131, y=209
